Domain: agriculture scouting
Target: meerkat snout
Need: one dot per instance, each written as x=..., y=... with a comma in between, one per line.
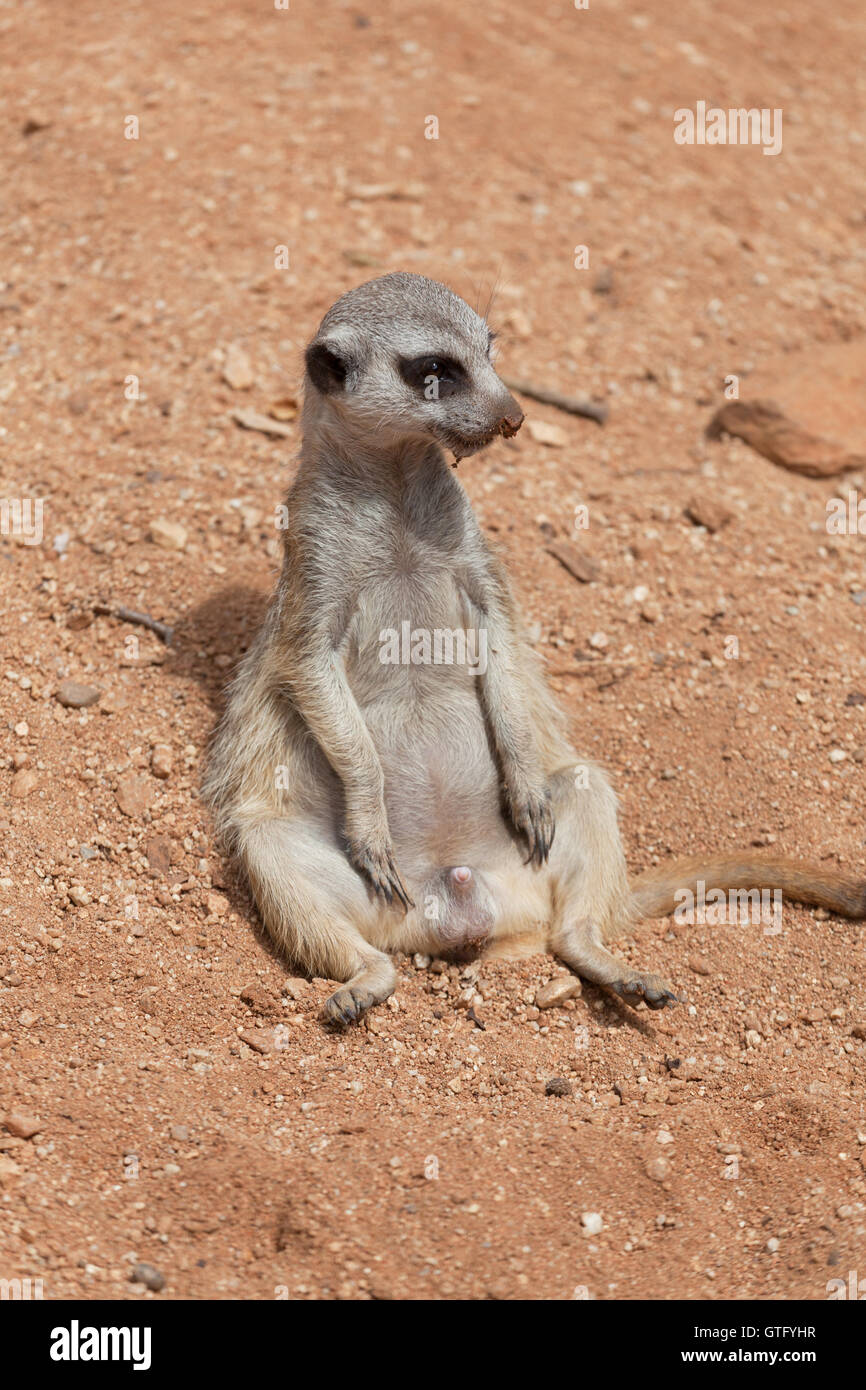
x=511, y=420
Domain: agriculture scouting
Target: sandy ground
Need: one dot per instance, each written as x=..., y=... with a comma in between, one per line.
x=174, y=1099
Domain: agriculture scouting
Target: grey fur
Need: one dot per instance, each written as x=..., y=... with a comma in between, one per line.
x=393, y=774
x=381, y=806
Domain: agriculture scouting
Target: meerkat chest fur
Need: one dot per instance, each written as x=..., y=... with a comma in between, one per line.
x=413, y=650
x=411, y=616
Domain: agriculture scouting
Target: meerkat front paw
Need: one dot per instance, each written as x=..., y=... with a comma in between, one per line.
x=375, y=860
x=532, y=814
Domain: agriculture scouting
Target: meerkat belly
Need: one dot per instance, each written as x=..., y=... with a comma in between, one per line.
x=416, y=680
x=442, y=789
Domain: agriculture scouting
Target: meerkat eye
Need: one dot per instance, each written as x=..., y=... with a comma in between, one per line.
x=435, y=377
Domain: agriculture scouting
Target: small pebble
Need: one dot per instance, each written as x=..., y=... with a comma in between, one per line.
x=22, y=1124
x=558, y=1086
x=708, y=513
x=261, y=1040
x=237, y=368
x=74, y=695
x=168, y=535
x=563, y=987
x=24, y=782
x=147, y=1275
x=552, y=436
x=133, y=795
x=658, y=1169
x=161, y=761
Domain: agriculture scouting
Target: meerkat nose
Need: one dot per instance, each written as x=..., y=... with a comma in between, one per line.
x=461, y=874
x=511, y=420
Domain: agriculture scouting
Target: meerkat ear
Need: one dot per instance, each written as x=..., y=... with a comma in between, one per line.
x=331, y=367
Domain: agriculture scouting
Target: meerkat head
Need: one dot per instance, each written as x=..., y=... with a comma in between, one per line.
x=403, y=358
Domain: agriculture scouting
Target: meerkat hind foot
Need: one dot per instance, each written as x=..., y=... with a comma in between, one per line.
x=650, y=988
x=581, y=947
x=348, y=1003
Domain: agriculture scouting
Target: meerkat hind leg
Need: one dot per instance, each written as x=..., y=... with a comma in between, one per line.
x=311, y=898
x=581, y=947
x=591, y=892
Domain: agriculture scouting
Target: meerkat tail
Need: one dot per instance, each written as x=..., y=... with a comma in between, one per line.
x=654, y=893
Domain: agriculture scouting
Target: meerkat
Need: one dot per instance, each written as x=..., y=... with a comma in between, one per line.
x=379, y=800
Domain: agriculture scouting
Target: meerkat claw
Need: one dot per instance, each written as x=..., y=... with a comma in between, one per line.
x=400, y=891
x=347, y=1005
x=649, y=988
x=381, y=871
x=395, y=884
x=534, y=819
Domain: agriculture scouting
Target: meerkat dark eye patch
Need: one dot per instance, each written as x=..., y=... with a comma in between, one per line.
x=329, y=371
x=435, y=377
